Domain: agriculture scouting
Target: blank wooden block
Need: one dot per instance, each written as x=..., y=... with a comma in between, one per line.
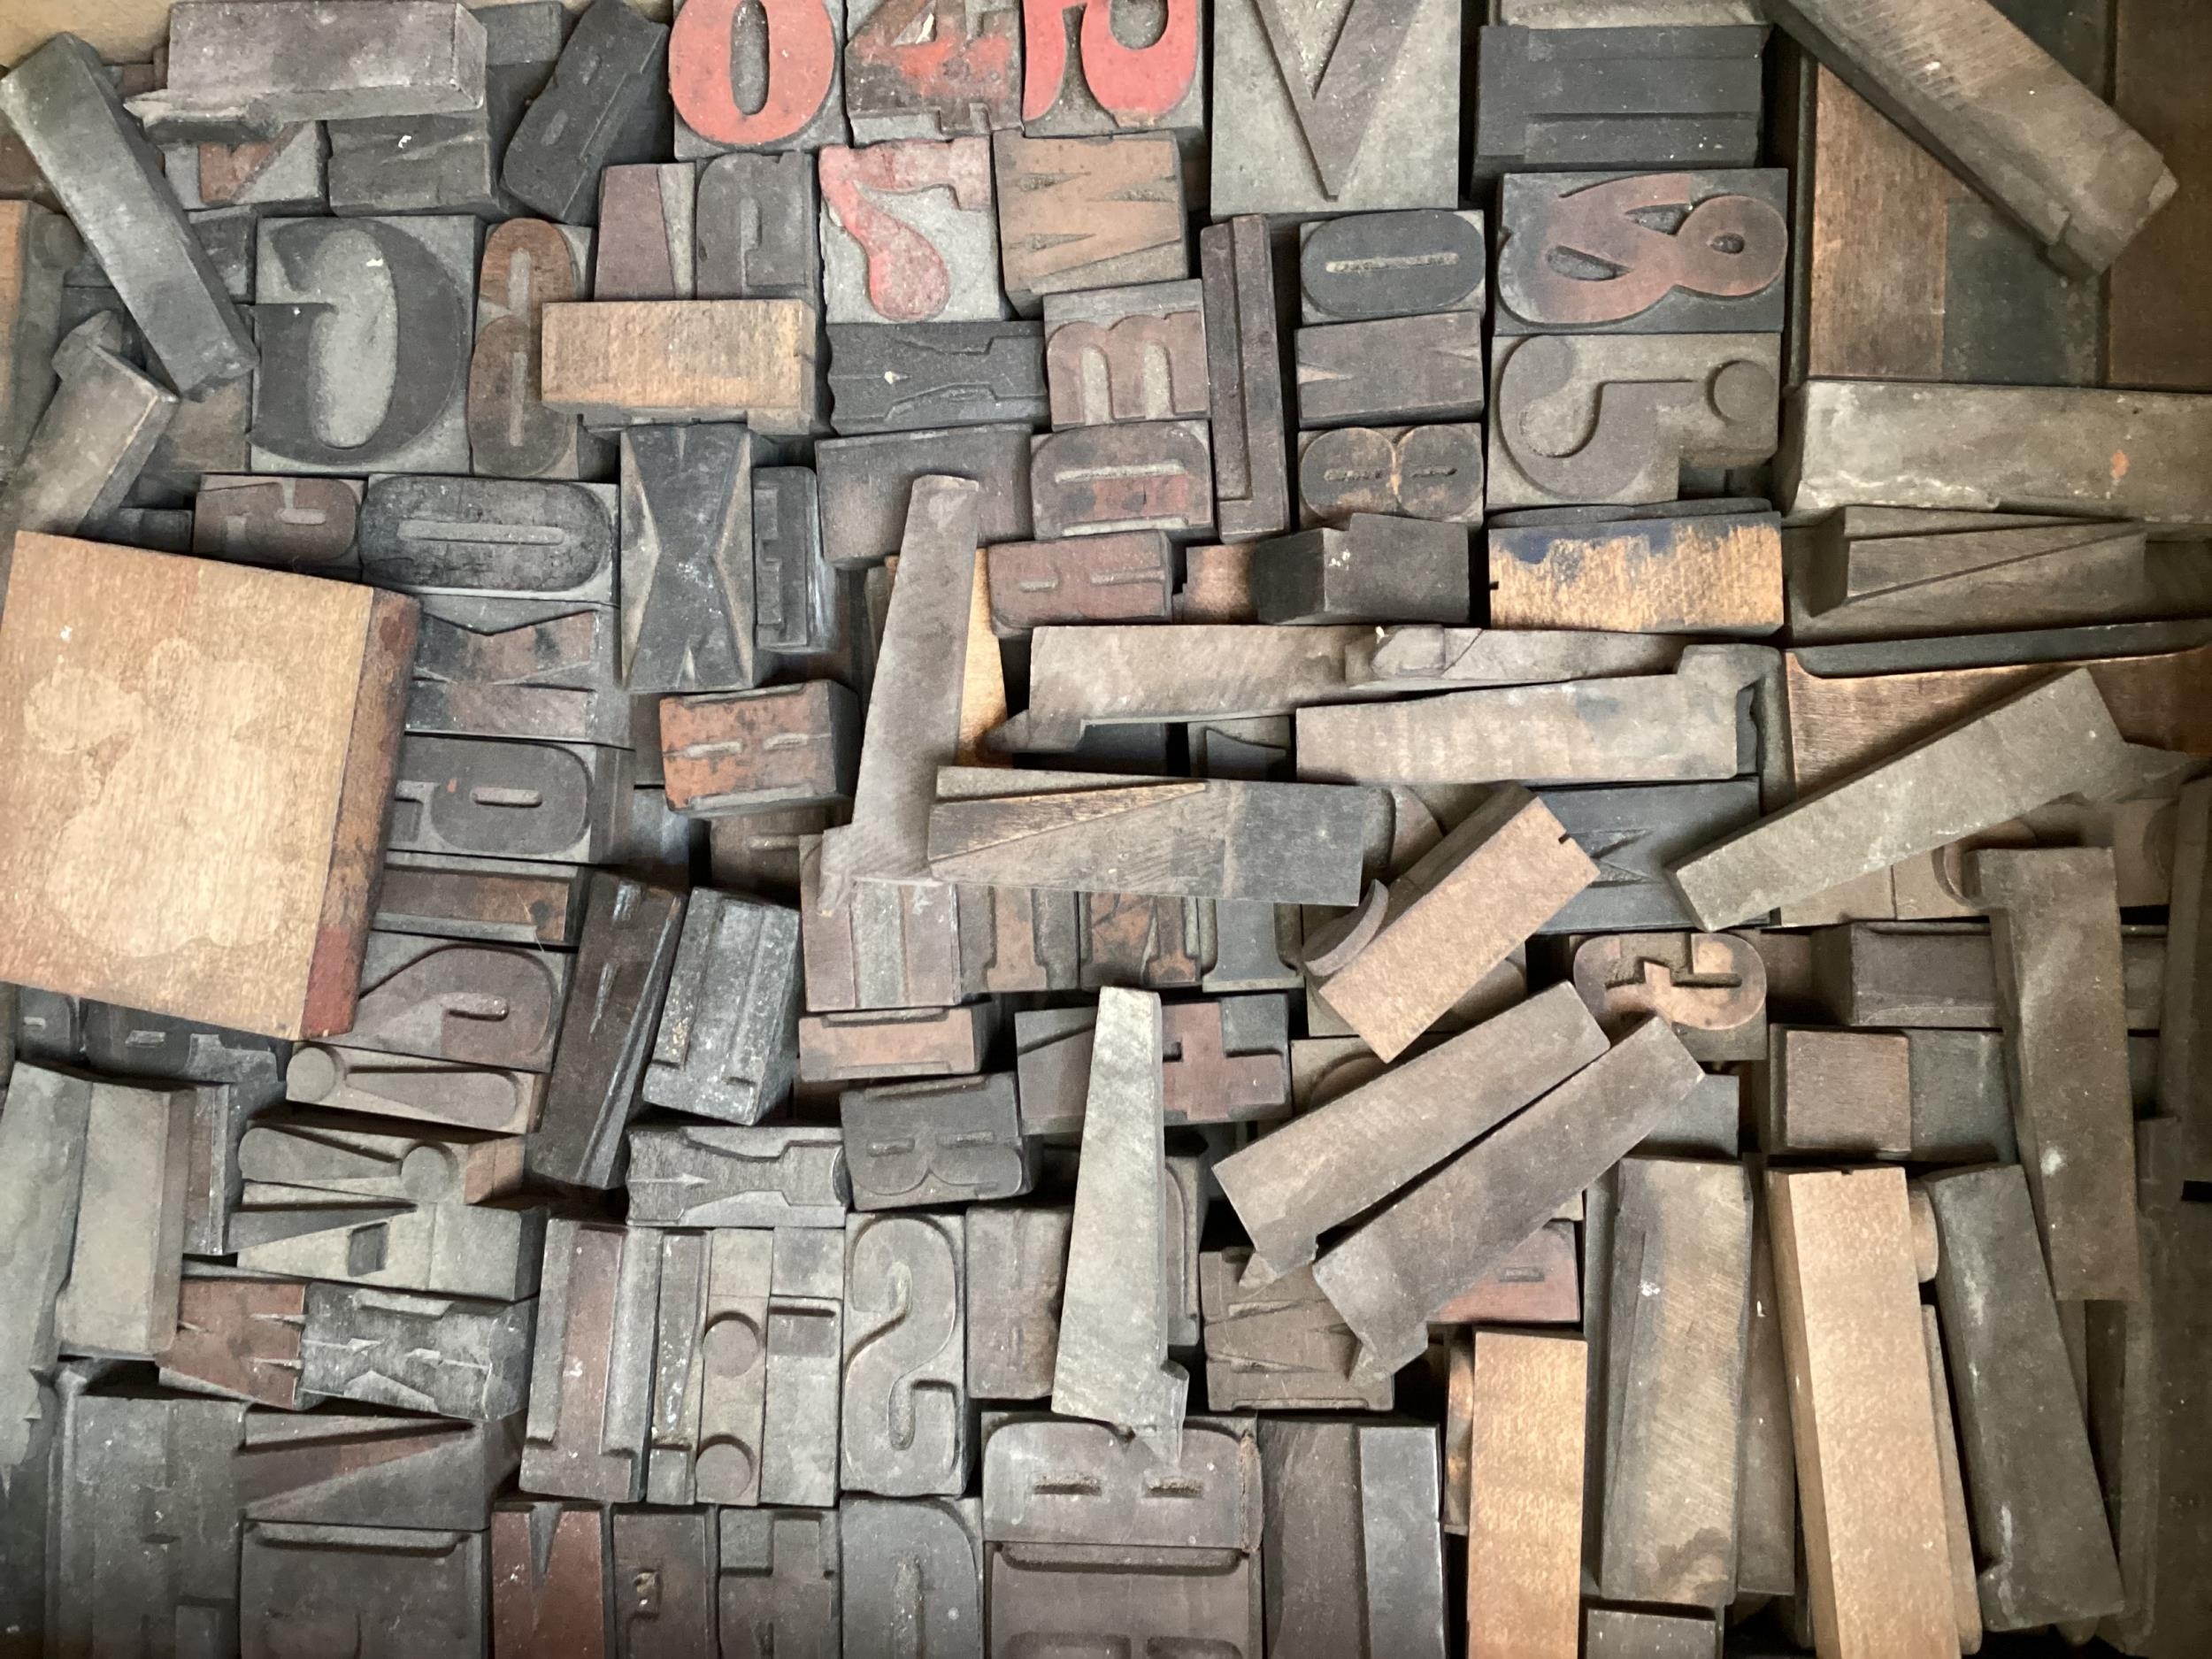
x=1525, y=1503
x=199, y=757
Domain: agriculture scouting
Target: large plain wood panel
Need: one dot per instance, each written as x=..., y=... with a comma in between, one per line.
x=199, y=759
x=1875, y=1543
x=1525, y=1498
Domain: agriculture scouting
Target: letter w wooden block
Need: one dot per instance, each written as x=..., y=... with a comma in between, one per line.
x=198, y=757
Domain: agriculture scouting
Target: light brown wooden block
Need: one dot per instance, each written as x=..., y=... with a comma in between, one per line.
x=1524, y=1505
x=1877, y=1550
x=673, y=360
x=198, y=757
x=1966, y=1599
x=1697, y=573
x=1839, y=1093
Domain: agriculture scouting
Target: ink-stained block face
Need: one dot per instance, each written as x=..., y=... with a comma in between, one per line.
x=931, y=68
x=1406, y=264
x=1080, y=74
x=910, y=233
x=764, y=78
x=200, y=757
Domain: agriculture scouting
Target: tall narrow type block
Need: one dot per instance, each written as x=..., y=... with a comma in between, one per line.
x=687, y=591
x=2036, y=1498
x=1325, y=109
x=62, y=105
x=929, y=69
x=527, y=265
x=1643, y=253
x=904, y=1426
x=1704, y=574
x=1017, y=1269
x=1999, y=111
x=623, y=962
x=2056, y=740
x=1448, y=921
x=93, y=442
x=1352, y=1558
x=2054, y=928
x=886, y=946
x=337, y=300
x=37, y=248
x=756, y=218
x=1553, y=99
x=910, y=233
x=1332, y=1162
x=795, y=595
x=120, y=1299
x=1391, y=1274
x=1244, y=364
x=41, y=1173
x=1087, y=212
x=552, y=1586
x=769, y=81
x=913, y=723
x=1525, y=1503
x=710, y=1378
x=605, y=106
x=590, y=1379
x=1861, y=1412
x=1675, y=1342
x=913, y=1573
x=778, y=1593
x=1113, y=1364
x=113, y=658
x=725, y=1047
x=1078, y=75
x=1616, y=418
x=652, y=361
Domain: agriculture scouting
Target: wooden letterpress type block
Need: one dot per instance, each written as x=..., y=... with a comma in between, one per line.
x=604, y=105
x=687, y=559
x=767, y=81
x=914, y=1567
x=708, y=1375
x=724, y=1048
x=927, y=69
x=1703, y=572
x=627, y=362
x=330, y=290
x=1524, y=1504
x=780, y=1581
x=96, y=438
x=36, y=248
x=932, y=375
x=758, y=229
x=759, y=853
x=299, y=824
x=899, y=1043
x=590, y=1382
x=1130, y=476
x=1642, y=253
x=2152, y=336
x=622, y=960
x=42, y=1179
x=866, y=484
x=1018, y=1264
x=1126, y=354
x=1216, y=584
x=1087, y=212
x=1138, y=940
x=228, y=236
x=527, y=265
x=499, y=1101
x=1244, y=365
x=792, y=585
x=422, y=1589
x=1406, y=472
x=496, y=537
x=552, y=1583
x=1376, y=130
x=1553, y=100
x=1844, y=1093
x=1409, y=264
x=528, y=668
x=910, y=233
x=904, y=1428
x=1277, y=1346
x=239, y=1337
x=789, y=746
x=506, y=902
x=458, y=1358
x=1711, y=987
x=647, y=243
x=1861, y=1415
x=885, y=946
x=421, y=164
x=1104, y=85
x=1346, y=1491
x=507, y=800
x=934, y=1141
x=1374, y=570
x=417, y=995
x=1616, y=418
x=1535, y=1285
x=286, y=170
x=61, y=103
x=1396, y=368
x=120, y=1297
x=1124, y=578
x=302, y=524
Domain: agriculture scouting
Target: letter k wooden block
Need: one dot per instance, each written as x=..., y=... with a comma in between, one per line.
x=199, y=757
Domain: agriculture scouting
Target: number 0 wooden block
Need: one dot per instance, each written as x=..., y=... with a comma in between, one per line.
x=198, y=756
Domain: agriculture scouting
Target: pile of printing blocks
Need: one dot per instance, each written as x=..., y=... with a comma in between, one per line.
x=1259, y=1064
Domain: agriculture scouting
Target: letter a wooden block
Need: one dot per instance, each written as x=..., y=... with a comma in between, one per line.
x=198, y=759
